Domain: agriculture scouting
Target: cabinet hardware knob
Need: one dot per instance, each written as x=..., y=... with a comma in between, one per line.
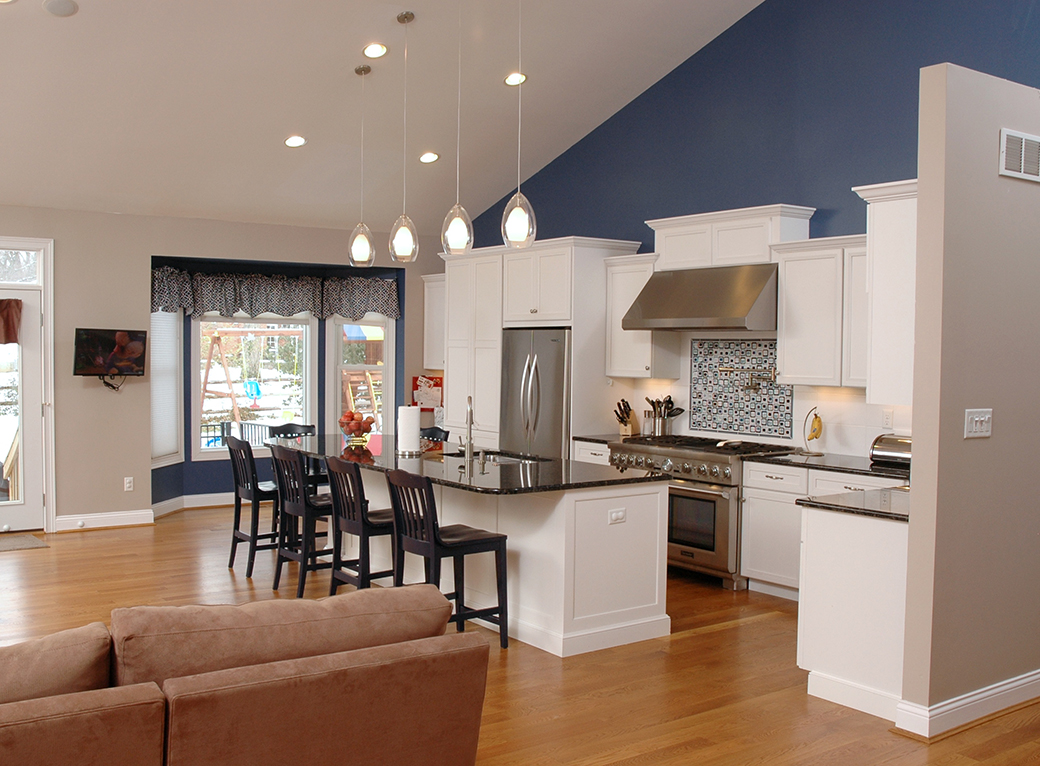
x=774, y=478
x=534, y=311
x=648, y=367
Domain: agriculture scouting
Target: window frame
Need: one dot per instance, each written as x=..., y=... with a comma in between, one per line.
x=334, y=363
x=171, y=458
x=310, y=387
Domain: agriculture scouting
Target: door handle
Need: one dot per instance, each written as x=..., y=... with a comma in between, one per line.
x=524, y=382
x=533, y=402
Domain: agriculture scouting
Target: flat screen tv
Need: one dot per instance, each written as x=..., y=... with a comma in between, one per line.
x=109, y=352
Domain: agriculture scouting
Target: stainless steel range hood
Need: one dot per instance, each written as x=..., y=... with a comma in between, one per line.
x=728, y=298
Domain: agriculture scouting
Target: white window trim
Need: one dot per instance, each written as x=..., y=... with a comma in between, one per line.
x=176, y=457
x=333, y=355
x=310, y=394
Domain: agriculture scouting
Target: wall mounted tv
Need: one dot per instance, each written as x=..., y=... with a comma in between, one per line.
x=110, y=352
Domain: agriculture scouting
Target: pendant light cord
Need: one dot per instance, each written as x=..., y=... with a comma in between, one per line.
x=458, y=111
x=520, y=87
x=404, y=158
x=362, y=148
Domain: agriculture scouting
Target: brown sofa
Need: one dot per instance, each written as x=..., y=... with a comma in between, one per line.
x=365, y=677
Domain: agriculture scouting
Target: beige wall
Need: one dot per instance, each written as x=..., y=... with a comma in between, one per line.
x=102, y=279
x=973, y=601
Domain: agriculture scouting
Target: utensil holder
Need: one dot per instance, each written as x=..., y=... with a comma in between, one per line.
x=659, y=424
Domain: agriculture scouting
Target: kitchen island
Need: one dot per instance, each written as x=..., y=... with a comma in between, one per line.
x=587, y=550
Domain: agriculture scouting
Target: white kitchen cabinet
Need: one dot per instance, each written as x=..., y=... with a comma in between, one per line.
x=433, y=321
x=771, y=527
x=635, y=353
x=726, y=237
x=891, y=284
x=536, y=288
x=473, y=346
x=831, y=483
x=821, y=302
x=590, y=452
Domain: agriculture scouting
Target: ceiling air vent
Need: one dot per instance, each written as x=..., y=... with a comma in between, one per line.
x=1019, y=155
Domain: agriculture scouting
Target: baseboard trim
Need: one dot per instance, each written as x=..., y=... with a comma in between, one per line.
x=856, y=696
x=934, y=720
x=81, y=521
x=780, y=591
x=207, y=500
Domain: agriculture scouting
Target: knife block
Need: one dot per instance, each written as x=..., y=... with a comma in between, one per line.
x=626, y=429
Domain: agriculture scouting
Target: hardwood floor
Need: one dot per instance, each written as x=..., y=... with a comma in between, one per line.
x=722, y=690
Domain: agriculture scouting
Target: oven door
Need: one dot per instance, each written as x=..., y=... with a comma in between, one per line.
x=703, y=529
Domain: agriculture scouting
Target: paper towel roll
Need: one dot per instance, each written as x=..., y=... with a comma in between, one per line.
x=408, y=429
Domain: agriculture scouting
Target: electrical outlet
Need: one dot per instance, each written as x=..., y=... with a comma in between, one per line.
x=888, y=418
x=128, y=484
x=978, y=424
x=616, y=516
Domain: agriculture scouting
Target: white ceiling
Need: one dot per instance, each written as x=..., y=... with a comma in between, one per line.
x=180, y=107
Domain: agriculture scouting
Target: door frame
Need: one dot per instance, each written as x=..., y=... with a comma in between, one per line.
x=45, y=247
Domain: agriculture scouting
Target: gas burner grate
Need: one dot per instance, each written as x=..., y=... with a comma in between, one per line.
x=703, y=444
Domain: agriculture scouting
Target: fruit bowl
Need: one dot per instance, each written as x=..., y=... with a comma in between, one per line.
x=356, y=426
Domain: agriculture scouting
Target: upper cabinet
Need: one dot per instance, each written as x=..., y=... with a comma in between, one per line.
x=433, y=321
x=891, y=282
x=635, y=353
x=727, y=237
x=822, y=312
x=537, y=286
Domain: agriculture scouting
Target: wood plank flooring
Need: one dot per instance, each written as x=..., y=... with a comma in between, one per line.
x=722, y=690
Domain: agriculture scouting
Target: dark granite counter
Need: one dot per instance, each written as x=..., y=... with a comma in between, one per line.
x=501, y=474
x=837, y=463
x=599, y=438
x=891, y=504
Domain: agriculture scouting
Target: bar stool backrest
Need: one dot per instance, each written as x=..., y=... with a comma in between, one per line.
x=288, y=430
x=243, y=467
x=415, y=511
x=289, y=472
x=348, y=494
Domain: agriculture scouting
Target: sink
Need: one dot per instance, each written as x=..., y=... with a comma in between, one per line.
x=497, y=458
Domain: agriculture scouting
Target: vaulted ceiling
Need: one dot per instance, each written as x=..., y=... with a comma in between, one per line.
x=181, y=107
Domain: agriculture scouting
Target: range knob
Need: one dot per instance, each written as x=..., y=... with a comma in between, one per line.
x=702, y=469
x=715, y=471
x=640, y=461
x=727, y=473
x=667, y=465
x=687, y=468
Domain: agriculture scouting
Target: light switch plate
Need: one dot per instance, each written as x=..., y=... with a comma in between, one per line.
x=978, y=424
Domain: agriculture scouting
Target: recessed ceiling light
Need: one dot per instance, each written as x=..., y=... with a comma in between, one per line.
x=294, y=142
x=429, y=157
x=60, y=7
x=515, y=78
x=375, y=50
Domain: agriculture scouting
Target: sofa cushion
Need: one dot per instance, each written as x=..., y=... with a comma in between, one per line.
x=121, y=726
x=74, y=660
x=153, y=643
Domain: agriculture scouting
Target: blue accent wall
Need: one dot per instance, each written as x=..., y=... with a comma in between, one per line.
x=796, y=103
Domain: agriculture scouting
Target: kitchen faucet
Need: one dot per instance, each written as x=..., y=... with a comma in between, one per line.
x=469, y=429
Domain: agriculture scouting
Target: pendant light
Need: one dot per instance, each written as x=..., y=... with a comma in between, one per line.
x=518, y=223
x=404, y=240
x=457, y=230
x=360, y=249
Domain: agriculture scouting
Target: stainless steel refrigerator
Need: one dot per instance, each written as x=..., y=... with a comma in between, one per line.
x=536, y=392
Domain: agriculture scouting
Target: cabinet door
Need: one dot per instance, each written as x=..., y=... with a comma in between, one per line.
x=855, y=317
x=458, y=297
x=519, y=290
x=685, y=248
x=554, y=286
x=832, y=483
x=458, y=372
x=809, y=312
x=771, y=537
x=739, y=242
x=628, y=351
x=592, y=452
x=433, y=322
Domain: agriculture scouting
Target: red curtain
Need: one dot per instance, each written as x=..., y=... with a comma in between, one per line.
x=10, y=320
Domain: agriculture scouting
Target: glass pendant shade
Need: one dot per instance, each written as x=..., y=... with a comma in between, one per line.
x=404, y=240
x=457, y=231
x=362, y=253
x=518, y=224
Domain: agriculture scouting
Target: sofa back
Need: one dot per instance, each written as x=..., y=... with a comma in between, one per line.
x=154, y=643
x=70, y=661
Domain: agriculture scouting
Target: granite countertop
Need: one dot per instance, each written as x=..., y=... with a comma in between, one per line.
x=838, y=463
x=599, y=438
x=502, y=474
x=891, y=503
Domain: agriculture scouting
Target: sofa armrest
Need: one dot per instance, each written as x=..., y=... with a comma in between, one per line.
x=100, y=727
x=416, y=702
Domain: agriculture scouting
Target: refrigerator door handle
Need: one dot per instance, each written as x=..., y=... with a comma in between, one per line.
x=534, y=401
x=524, y=383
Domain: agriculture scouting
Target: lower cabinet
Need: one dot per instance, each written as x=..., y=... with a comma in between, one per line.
x=590, y=452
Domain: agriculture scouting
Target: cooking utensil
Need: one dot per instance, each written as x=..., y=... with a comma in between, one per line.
x=627, y=408
x=674, y=412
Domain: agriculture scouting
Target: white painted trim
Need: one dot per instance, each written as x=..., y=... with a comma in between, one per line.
x=101, y=520
x=591, y=640
x=935, y=719
x=853, y=695
x=333, y=355
x=780, y=591
x=207, y=500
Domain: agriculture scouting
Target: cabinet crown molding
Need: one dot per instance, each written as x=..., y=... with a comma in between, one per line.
x=621, y=246
x=819, y=243
x=891, y=190
x=787, y=211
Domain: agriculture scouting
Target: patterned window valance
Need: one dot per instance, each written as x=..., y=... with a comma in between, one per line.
x=195, y=293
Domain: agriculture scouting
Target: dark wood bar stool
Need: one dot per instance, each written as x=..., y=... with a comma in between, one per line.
x=315, y=476
x=416, y=531
x=351, y=515
x=297, y=502
x=248, y=488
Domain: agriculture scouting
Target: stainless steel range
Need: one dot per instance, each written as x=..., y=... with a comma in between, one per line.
x=703, y=499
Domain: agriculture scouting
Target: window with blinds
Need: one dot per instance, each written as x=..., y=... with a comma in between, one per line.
x=165, y=360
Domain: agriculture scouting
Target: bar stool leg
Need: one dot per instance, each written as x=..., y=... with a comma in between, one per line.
x=234, y=530
x=503, y=614
x=459, y=563
x=305, y=550
x=254, y=530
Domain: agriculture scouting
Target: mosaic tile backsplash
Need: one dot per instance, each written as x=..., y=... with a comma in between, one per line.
x=719, y=401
